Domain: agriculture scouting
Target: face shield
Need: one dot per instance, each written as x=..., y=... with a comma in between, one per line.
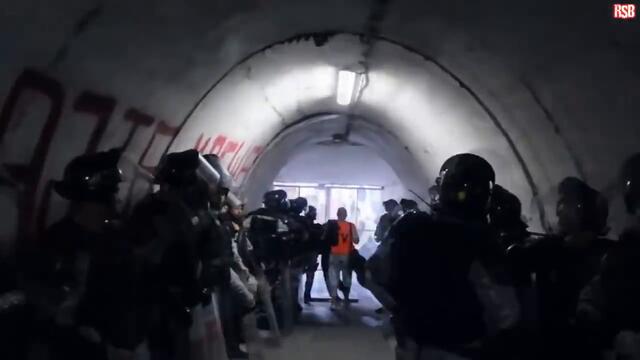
x=219, y=180
x=225, y=178
x=207, y=173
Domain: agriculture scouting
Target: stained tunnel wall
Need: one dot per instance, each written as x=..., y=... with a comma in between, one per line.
x=561, y=80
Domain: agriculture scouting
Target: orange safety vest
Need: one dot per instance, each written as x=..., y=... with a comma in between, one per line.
x=345, y=239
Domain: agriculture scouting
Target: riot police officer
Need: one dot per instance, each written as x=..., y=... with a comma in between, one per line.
x=408, y=205
x=300, y=241
x=235, y=299
x=608, y=308
x=299, y=247
x=564, y=264
x=181, y=249
x=443, y=315
x=264, y=235
x=621, y=273
x=505, y=217
x=87, y=261
x=267, y=231
x=315, y=234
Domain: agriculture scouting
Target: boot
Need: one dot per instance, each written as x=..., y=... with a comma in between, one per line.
x=345, y=292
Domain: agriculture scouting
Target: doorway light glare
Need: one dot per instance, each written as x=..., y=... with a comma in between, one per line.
x=346, y=87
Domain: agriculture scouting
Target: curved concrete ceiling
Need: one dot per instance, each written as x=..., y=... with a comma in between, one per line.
x=542, y=89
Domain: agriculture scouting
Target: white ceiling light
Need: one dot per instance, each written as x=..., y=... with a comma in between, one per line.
x=300, y=184
x=367, y=187
x=347, y=85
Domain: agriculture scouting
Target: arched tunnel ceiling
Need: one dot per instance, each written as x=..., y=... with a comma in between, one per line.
x=424, y=108
x=560, y=78
x=296, y=138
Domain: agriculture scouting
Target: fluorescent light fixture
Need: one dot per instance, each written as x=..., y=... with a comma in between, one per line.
x=346, y=87
x=298, y=184
x=316, y=185
x=367, y=187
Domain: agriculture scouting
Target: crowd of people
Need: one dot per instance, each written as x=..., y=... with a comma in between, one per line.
x=467, y=280
x=186, y=273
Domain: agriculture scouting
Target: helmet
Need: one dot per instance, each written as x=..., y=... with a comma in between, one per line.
x=505, y=208
x=312, y=212
x=91, y=177
x=275, y=199
x=466, y=181
x=298, y=205
x=580, y=207
x=630, y=177
x=408, y=205
x=179, y=168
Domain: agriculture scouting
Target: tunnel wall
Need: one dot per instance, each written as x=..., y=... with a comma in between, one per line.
x=561, y=79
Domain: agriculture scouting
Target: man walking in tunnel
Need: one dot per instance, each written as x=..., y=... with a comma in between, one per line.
x=315, y=233
x=342, y=246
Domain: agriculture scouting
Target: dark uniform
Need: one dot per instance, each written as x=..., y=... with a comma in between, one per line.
x=88, y=262
x=564, y=264
x=508, y=229
x=299, y=248
x=315, y=237
x=438, y=307
x=609, y=306
x=231, y=304
x=266, y=237
x=268, y=233
x=183, y=252
x=16, y=315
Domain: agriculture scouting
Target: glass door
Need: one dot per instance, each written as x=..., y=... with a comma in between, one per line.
x=316, y=197
x=346, y=198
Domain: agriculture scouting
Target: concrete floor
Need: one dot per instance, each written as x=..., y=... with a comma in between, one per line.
x=322, y=334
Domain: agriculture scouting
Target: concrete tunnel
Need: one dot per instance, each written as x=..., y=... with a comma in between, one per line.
x=542, y=89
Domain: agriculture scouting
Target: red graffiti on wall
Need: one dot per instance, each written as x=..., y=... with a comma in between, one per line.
x=238, y=158
x=138, y=119
x=162, y=129
x=100, y=106
x=29, y=174
x=33, y=208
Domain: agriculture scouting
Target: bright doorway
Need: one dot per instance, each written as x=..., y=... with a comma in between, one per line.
x=363, y=204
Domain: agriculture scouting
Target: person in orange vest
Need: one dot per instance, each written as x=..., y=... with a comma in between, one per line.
x=342, y=246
